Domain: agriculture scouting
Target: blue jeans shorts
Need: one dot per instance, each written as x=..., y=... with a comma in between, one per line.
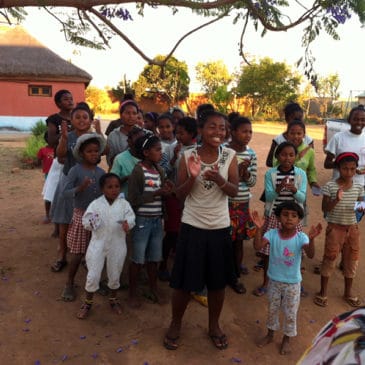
x=147, y=240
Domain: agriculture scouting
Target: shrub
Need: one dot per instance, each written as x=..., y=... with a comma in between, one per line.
x=33, y=144
x=39, y=128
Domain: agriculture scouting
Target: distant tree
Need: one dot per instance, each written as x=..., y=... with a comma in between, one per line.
x=170, y=82
x=98, y=100
x=124, y=87
x=214, y=78
x=93, y=23
x=212, y=75
x=269, y=85
x=327, y=90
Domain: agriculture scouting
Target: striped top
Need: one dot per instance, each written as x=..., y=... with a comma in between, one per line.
x=244, y=194
x=274, y=177
x=284, y=195
x=152, y=182
x=344, y=211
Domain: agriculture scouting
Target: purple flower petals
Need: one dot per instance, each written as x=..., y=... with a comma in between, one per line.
x=119, y=349
x=236, y=360
x=82, y=337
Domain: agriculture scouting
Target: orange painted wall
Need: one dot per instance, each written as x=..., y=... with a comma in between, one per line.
x=15, y=101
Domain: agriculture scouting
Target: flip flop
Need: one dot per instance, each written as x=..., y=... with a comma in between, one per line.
x=170, y=343
x=58, y=265
x=220, y=342
x=84, y=311
x=353, y=301
x=320, y=300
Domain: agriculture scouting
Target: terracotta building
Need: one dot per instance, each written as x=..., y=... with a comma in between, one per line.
x=30, y=75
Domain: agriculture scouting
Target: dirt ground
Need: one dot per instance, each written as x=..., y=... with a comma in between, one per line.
x=38, y=328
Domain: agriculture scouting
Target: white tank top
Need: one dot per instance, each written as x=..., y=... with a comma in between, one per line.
x=206, y=206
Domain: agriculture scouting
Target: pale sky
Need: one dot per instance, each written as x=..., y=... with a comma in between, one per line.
x=158, y=31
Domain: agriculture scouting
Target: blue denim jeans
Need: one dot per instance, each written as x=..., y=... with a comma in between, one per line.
x=147, y=238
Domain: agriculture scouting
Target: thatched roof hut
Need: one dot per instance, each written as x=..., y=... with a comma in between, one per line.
x=22, y=57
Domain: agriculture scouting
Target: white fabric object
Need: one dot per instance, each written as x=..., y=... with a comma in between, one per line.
x=52, y=180
x=108, y=240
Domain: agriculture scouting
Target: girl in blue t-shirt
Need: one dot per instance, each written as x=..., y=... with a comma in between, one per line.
x=286, y=245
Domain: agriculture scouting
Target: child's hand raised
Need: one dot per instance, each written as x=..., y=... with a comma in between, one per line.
x=257, y=219
x=243, y=166
x=339, y=194
x=85, y=184
x=177, y=149
x=194, y=165
x=64, y=129
x=97, y=126
x=315, y=231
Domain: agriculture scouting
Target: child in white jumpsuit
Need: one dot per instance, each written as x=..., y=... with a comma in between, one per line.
x=109, y=218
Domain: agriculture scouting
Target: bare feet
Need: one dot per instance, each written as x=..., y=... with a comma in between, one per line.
x=159, y=297
x=267, y=339
x=115, y=306
x=284, y=347
x=171, y=336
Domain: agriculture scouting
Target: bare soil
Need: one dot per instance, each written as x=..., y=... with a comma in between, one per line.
x=36, y=327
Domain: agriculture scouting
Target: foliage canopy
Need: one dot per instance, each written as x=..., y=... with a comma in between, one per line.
x=93, y=23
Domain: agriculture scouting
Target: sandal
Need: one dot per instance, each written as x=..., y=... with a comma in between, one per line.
x=353, y=301
x=319, y=300
x=201, y=299
x=58, y=265
x=259, y=266
x=260, y=291
x=115, y=306
x=84, y=311
x=220, y=342
x=238, y=287
x=170, y=343
x=68, y=294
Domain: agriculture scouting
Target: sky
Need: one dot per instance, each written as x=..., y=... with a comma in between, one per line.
x=159, y=30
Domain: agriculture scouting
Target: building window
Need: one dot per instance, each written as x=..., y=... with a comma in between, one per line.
x=40, y=90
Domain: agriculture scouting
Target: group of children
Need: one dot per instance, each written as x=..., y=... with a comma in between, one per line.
x=182, y=184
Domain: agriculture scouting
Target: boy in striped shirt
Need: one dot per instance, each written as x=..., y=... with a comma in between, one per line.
x=342, y=233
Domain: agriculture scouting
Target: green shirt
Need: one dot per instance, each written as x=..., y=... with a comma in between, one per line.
x=123, y=166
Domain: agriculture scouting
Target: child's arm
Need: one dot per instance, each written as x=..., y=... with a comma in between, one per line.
x=229, y=186
x=185, y=181
x=61, y=150
x=136, y=194
x=312, y=234
x=251, y=181
x=328, y=204
x=270, y=156
x=311, y=169
x=91, y=219
x=258, y=242
x=129, y=216
x=329, y=162
x=299, y=189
